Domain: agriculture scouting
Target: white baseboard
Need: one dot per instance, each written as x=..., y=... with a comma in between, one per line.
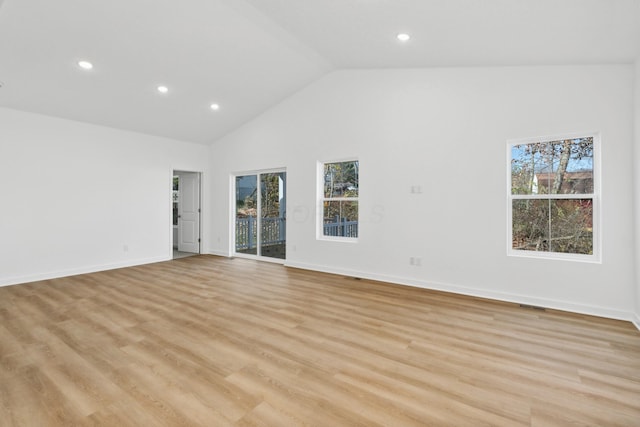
x=218, y=253
x=481, y=293
x=7, y=281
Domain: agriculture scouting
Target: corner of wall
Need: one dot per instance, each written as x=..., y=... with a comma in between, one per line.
x=636, y=186
x=636, y=321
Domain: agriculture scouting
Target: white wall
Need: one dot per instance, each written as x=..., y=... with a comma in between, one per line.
x=446, y=131
x=637, y=186
x=78, y=197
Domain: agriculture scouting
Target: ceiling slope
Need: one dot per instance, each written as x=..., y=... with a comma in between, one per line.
x=204, y=51
x=361, y=33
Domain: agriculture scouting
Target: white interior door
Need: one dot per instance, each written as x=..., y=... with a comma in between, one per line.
x=189, y=212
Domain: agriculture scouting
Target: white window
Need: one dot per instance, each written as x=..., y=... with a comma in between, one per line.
x=553, y=197
x=339, y=189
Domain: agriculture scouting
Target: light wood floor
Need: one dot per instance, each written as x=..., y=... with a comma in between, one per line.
x=219, y=342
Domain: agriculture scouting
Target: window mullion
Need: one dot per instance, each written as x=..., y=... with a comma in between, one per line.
x=559, y=174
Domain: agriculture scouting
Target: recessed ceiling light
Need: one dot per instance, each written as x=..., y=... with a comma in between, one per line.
x=163, y=89
x=215, y=107
x=403, y=37
x=85, y=65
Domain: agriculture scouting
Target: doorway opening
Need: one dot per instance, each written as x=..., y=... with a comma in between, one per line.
x=260, y=215
x=186, y=240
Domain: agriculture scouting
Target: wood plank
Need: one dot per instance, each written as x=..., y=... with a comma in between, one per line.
x=207, y=340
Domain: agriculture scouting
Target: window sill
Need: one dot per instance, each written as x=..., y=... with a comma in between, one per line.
x=338, y=239
x=593, y=259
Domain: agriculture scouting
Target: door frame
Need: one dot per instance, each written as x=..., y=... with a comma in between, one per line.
x=232, y=222
x=177, y=172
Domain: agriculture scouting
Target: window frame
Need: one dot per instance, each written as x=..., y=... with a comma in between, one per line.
x=595, y=196
x=233, y=213
x=321, y=200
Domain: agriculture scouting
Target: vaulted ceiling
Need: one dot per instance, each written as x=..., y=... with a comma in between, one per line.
x=247, y=55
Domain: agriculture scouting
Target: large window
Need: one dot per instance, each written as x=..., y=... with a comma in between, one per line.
x=553, y=197
x=340, y=187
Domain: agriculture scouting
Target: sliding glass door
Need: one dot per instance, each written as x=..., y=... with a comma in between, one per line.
x=260, y=212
